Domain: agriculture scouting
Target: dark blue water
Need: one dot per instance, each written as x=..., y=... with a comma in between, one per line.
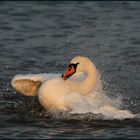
x=39, y=37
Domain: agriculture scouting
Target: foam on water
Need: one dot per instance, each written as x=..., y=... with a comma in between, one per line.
x=95, y=103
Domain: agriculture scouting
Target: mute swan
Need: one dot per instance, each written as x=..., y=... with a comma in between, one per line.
x=63, y=92
x=51, y=88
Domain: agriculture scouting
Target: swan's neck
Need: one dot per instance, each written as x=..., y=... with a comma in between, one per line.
x=89, y=83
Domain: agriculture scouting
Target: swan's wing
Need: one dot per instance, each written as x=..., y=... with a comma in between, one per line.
x=28, y=84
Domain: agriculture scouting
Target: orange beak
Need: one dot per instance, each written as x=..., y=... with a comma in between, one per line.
x=70, y=71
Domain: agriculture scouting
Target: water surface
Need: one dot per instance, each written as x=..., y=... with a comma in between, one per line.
x=39, y=37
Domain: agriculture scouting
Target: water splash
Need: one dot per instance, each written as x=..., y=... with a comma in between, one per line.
x=96, y=105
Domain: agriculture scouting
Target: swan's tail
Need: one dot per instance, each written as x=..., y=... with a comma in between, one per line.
x=29, y=84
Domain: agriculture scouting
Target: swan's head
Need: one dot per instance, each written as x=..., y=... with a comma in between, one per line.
x=77, y=66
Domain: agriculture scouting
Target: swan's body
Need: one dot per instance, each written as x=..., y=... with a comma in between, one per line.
x=81, y=96
x=53, y=92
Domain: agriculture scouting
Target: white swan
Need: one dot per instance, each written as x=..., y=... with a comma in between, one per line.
x=64, y=93
x=51, y=89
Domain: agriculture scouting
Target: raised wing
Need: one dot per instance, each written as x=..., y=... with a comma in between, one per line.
x=29, y=84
